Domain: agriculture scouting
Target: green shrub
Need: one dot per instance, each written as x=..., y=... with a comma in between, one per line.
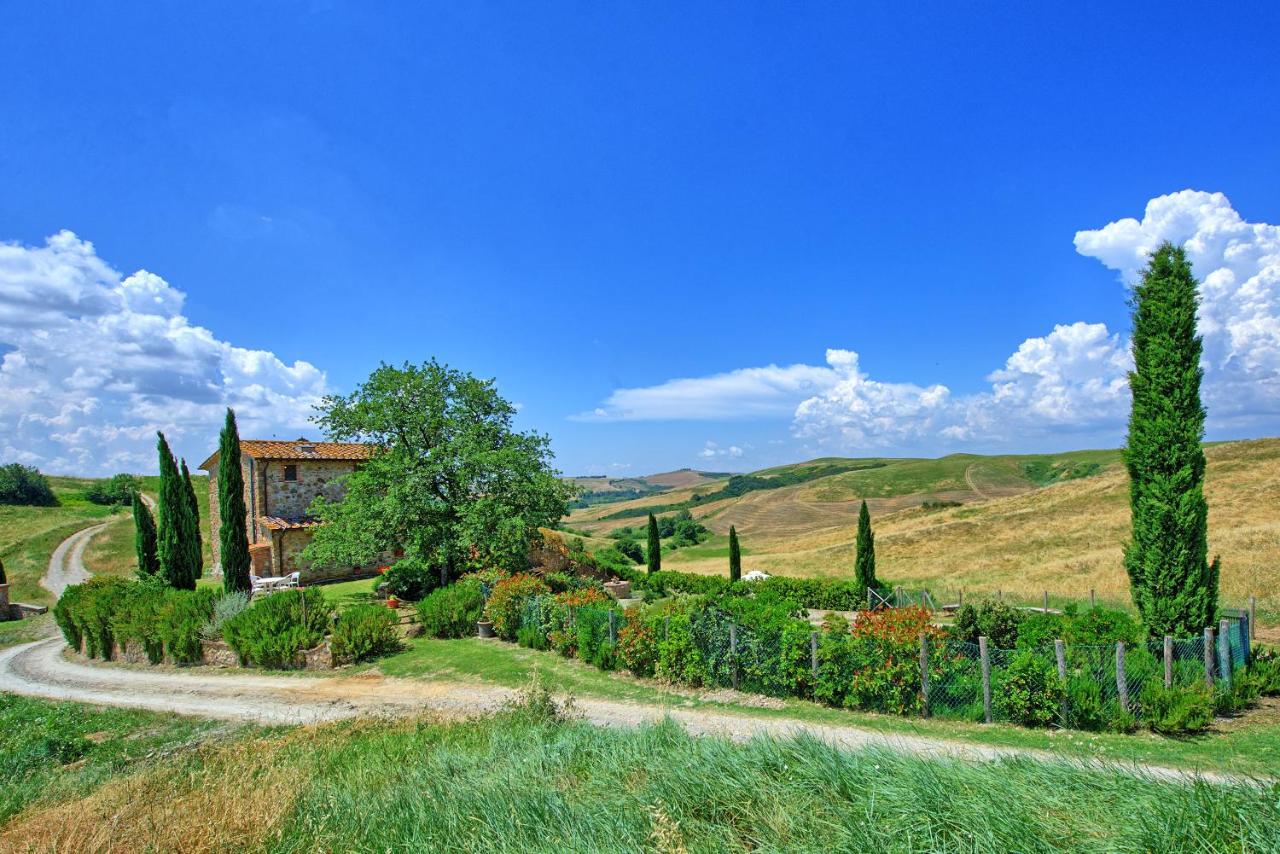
x=507, y=600
x=119, y=489
x=835, y=662
x=1103, y=627
x=25, y=485
x=182, y=615
x=84, y=613
x=363, y=632
x=680, y=660
x=1264, y=665
x=637, y=647
x=410, y=579
x=453, y=611
x=1039, y=630
x=1085, y=707
x=1178, y=710
x=272, y=631
x=991, y=618
x=224, y=609
x=532, y=637
x=1028, y=691
x=138, y=617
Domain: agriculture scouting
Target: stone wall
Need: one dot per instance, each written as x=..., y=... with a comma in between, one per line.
x=291, y=543
x=215, y=513
x=291, y=499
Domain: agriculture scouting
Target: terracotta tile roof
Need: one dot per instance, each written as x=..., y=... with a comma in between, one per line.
x=279, y=523
x=299, y=449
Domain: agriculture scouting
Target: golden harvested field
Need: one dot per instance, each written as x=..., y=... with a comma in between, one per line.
x=1008, y=535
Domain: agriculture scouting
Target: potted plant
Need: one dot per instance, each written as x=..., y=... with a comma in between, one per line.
x=393, y=602
x=484, y=628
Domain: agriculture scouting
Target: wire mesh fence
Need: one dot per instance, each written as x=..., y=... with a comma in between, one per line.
x=1069, y=685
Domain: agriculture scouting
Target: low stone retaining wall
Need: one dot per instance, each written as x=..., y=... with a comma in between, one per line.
x=216, y=653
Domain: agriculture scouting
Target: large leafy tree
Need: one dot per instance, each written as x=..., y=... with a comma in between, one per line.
x=865, y=561
x=233, y=536
x=177, y=547
x=653, y=550
x=735, y=556
x=1174, y=585
x=144, y=538
x=450, y=481
x=193, y=507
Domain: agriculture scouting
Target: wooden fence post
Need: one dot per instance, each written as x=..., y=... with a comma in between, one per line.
x=1093, y=599
x=924, y=672
x=999, y=594
x=1208, y=656
x=1246, y=628
x=1122, y=683
x=1168, y=661
x=1253, y=616
x=613, y=626
x=986, y=678
x=961, y=602
x=1224, y=652
x=1046, y=601
x=813, y=657
x=733, y=653
x=1060, y=653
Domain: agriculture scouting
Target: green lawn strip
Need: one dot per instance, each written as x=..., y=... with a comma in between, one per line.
x=52, y=751
x=30, y=536
x=1240, y=747
x=519, y=783
x=14, y=632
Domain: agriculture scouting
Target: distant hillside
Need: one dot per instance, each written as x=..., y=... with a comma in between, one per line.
x=601, y=489
x=1021, y=524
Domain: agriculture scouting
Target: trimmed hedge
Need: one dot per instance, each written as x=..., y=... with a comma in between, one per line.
x=833, y=594
x=103, y=612
x=273, y=630
x=453, y=611
x=363, y=632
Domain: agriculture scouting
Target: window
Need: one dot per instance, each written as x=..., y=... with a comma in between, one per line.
x=290, y=472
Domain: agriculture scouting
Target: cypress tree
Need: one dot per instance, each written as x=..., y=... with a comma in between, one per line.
x=197, y=538
x=144, y=538
x=865, y=562
x=1173, y=584
x=654, y=552
x=233, y=538
x=735, y=556
x=174, y=535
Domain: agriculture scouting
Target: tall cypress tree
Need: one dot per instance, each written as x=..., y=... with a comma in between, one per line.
x=1174, y=585
x=735, y=556
x=654, y=551
x=865, y=562
x=174, y=534
x=144, y=538
x=233, y=537
x=193, y=507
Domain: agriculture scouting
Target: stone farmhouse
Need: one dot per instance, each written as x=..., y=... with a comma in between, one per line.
x=280, y=481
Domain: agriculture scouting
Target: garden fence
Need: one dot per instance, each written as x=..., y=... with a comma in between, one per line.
x=951, y=678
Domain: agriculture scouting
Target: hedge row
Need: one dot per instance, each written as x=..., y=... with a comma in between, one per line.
x=169, y=624
x=835, y=594
x=871, y=666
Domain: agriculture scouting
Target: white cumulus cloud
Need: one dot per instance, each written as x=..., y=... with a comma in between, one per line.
x=92, y=363
x=1073, y=380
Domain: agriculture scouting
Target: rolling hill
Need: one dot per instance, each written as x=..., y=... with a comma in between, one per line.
x=1023, y=524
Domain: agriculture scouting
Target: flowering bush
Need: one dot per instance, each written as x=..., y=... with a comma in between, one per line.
x=886, y=659
x=637, y=647
x=507, y=600
x=559, y=617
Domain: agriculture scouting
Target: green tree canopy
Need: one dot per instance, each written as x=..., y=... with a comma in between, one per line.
x=735, y=556
x=865, y=561
x=233, y=535
x=450, y=481
x=1174, y=585
x=654, y=550
x=144, y=538
x=21, y=484
x=193, y=507
x=177, y=544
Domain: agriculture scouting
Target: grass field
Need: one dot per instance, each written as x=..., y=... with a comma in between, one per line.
x=526, y=781
x=1010, y=534
x=28, y=535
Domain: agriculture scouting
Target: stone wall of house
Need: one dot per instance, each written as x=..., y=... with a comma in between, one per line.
x=291, y=499
x=290, y=545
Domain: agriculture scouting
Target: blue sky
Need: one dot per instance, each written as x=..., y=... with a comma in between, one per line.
x=591, y=201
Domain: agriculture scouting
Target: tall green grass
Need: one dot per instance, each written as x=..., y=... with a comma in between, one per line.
x=514, y=783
